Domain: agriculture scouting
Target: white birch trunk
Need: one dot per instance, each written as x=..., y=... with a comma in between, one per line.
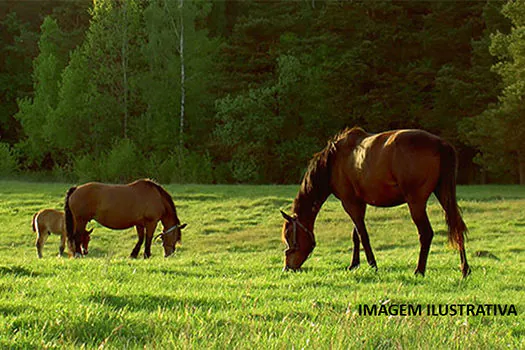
x=182, y=76
x=125, y=68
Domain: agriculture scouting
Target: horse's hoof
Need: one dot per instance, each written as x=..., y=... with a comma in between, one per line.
x=290, y=269
x=373, y=266
x=132, y=256
x=78, y=255
x=419, y=273
x=466, y=272
x=353, y=267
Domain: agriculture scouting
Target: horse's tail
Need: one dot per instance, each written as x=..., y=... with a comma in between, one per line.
x=70, y=226
x=33, y=223
x=446, y=193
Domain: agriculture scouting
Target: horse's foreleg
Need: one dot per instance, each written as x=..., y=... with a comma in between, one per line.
x=77, y=244
x=150, y=229
x=355, y=256
x=420, y=218
x=140, y=233
x=357, y=213
x=62, y=247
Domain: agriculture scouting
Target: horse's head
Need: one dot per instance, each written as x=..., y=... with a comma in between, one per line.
x=84, y=241
x=300, y=241
x=170, y=237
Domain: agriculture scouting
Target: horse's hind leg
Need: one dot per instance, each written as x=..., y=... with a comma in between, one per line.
x=140, y=233
x=420, y=218
x=465, y=269
x=357, y=213
x=355, y=254
x=41, y=240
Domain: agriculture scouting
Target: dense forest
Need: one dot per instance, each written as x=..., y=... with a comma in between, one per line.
x=247, y=91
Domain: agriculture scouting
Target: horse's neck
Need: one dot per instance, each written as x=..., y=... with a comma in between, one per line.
x=168, y=220
x=307, y=206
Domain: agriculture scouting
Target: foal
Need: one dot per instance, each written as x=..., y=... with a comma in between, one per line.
x=48, y=221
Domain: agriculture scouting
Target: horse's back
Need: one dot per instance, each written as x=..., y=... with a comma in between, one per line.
x=383, y=169
x=51, y=220
x=416, y=157
x=116, y=206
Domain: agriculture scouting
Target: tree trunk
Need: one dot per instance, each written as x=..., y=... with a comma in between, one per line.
x=125, y=68
x=182, y=77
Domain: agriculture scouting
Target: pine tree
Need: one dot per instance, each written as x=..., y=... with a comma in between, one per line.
x=34, y=112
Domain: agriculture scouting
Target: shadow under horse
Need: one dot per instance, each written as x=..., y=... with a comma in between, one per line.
x=142, y=204
x=383, y=170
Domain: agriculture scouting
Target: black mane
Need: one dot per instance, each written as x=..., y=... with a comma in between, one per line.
x=166, y=196
x=315, y=187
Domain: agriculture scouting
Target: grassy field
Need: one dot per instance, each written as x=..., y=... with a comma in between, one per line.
x=224, y=287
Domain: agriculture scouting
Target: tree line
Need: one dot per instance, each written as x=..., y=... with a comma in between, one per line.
x=245, y=92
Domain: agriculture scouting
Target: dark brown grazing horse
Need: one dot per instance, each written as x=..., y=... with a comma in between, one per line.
x=383, y=170
x=142, y=204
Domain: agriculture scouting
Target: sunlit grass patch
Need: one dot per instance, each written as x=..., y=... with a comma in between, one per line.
x=224, y=288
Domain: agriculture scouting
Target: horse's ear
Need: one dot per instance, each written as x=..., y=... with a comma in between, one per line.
x=286, y=216
x=182, y=226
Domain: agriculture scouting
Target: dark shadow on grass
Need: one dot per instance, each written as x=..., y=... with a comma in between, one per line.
x=97, y=253
x=383, y=247
x=196, y=197
x=15, y=310
x=18, y=271
x=151, y=303
x=105, y=330
x=182, y=272
x=488, y=198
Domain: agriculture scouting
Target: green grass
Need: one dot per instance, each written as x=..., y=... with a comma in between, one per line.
x=224, y=287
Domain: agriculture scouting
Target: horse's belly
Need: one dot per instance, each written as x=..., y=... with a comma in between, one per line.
x=114, y=223
x=387, y=197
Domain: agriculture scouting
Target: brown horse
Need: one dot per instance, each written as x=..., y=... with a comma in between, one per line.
x=142, y=204
x=48, y=221
x=384, y=170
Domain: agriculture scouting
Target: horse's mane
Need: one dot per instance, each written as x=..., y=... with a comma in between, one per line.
x=164, y=195
x=316, y=181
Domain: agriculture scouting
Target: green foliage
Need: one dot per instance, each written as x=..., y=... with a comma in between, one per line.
x=8, y=160
x=266, y=83
x=181, y=168
x=17, y=49
x=499, y=131
x=122, y=164
x=34, y=113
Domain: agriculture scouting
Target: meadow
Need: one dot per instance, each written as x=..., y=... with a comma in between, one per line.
x=224, y=287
